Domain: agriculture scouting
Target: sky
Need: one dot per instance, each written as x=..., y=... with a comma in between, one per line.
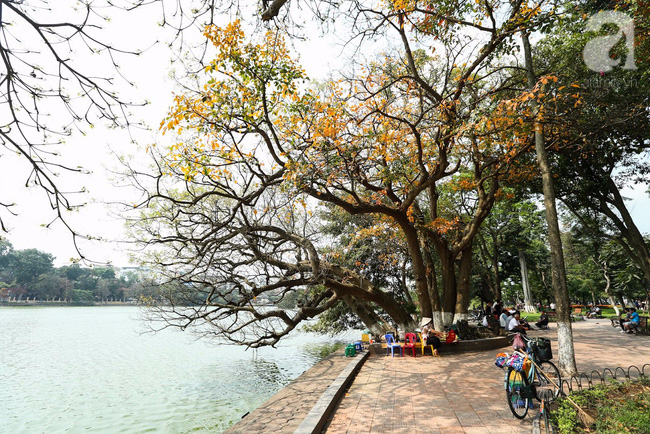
x=94, y=152
x=97, y=149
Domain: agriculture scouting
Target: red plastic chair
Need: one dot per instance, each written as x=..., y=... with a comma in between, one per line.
x=409, y=342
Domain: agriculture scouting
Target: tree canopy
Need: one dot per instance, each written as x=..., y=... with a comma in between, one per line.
x=416, y=143
x=404, y=185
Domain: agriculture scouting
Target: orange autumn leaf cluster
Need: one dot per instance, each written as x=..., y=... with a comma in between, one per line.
x=443, y=226
x=247, y=84
x=370, y=145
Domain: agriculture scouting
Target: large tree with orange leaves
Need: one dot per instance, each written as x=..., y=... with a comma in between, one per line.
x=235, y=200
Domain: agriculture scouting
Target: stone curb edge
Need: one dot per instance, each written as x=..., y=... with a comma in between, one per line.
x=536, y=426
x=321, y=411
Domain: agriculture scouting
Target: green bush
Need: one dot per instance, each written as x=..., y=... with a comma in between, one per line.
x=617, y=407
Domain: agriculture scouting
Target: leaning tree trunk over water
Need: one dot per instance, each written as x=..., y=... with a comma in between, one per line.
x=367, y=315
x=567, y=361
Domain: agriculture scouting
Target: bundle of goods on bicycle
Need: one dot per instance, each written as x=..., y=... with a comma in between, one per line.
x=515, y=361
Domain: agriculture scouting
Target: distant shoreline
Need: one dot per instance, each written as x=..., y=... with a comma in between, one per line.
x=31, y=303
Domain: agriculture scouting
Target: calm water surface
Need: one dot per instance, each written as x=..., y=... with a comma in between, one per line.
x=90, y=369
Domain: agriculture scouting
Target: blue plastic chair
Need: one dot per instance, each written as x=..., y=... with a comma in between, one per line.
x=391, y=345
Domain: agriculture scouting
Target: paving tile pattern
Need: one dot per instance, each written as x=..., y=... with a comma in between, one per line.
x=285, y=411
x=455, y=393
x=459, y=393
x=463, y=393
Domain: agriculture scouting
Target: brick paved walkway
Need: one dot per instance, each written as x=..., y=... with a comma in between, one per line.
x=455, y=393
x=285, y=411
x=463, y=393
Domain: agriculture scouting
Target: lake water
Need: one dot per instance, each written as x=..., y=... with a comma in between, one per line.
x=90, y=369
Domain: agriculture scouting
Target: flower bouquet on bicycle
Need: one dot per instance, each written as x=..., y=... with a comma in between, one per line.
x=529, y=374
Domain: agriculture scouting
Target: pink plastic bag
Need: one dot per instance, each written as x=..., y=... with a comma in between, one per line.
x=518, y=343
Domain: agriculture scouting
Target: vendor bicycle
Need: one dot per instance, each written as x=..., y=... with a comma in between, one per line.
x=530, y=375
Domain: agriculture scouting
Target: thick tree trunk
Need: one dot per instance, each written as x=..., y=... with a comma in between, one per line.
x=432, y=283
x=367, y=315
x=523, y=268
x=434, y=294
x=621, y=300
x=445, y=314
x=418, y=264
x=567, y=363
x=566, y=357
x=464, y=274
x=495, y=268
x=449, y=289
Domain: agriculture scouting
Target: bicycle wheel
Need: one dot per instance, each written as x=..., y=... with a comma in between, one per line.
x=546, y=418
x=515, y=381
x=550, y=379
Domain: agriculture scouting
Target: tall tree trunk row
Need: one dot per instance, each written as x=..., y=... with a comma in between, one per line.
x=567, y=362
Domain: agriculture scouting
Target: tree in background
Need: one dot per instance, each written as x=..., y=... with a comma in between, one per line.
x=30, y=273
x=50, y=287
x=24, y=267
x=628, y=279
x=599, y=127
x=513, y=233
x=564, y=119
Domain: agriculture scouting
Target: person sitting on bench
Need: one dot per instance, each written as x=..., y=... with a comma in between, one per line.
x=633, y=321
x=514, y=325
x=622, y=320
x=523, y=323
x=503, y=319
x=594, y=312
